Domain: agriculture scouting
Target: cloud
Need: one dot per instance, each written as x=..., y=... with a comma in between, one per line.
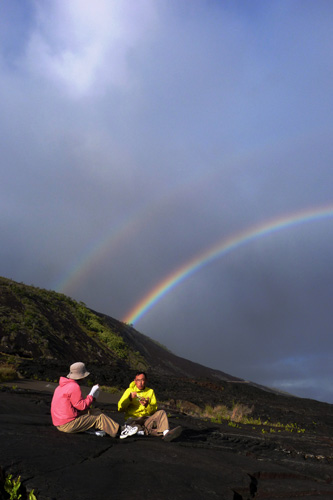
x=84, y=47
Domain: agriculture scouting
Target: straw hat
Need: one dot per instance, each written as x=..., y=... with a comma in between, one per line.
x=77, y=371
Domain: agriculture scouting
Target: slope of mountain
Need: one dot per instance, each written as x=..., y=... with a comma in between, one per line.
x=51, y=327
x=43, y=332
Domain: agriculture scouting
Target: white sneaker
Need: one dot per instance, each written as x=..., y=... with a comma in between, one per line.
x=128, y=431
x=174, y=434
x=141, y=433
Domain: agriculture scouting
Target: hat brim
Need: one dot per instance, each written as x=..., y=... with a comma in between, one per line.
x=73, y=376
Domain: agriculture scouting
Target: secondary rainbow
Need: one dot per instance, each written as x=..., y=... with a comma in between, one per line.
x=98, y=250
x=219, y=250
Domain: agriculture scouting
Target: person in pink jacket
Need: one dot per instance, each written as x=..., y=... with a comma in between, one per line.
x=71, y=413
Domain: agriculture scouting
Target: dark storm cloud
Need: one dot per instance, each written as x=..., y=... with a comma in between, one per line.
x=130, y=147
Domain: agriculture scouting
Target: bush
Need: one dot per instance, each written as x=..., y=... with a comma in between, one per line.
x=7, y=373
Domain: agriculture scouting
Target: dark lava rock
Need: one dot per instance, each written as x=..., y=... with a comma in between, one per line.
x=208, y=461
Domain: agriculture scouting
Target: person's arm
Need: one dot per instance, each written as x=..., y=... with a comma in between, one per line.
x=152, y=405
x=77, y=401
x=125, y=400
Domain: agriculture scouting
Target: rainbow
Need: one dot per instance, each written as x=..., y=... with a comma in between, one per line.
x=220, y=249
x=115, y=235
x=129, y=225
x=95, y=251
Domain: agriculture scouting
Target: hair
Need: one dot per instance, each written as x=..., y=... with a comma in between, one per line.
x=140, y=372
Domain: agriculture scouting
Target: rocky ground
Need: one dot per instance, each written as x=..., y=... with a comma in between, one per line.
x=208, y=461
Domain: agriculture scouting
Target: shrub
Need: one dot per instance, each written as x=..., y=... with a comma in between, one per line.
x=239, y=412
x=7, y=373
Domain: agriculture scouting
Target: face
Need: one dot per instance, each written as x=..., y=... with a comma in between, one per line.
x=140, y=381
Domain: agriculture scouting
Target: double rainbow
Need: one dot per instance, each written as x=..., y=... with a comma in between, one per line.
x=220, y=249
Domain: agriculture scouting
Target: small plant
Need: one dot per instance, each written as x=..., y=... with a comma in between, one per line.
x=233, y=424
x=12, y=487
x=294, y=428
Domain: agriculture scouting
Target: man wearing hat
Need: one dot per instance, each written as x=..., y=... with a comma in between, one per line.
x=68, y=406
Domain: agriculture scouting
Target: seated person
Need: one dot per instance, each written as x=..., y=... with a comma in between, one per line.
x=140, y=407
x=71, y=413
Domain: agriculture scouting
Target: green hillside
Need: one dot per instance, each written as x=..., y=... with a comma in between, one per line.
x=37, y=324
x=43, y=332
x=53, y=329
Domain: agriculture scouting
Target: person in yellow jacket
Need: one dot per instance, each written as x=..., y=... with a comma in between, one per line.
x=140, y=407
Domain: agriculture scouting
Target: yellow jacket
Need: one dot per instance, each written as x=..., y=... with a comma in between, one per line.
x=133, y=408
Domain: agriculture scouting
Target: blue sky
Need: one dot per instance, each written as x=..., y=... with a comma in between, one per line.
x=136, y=135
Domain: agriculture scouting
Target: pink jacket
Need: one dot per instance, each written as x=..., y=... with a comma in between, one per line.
x=67, y=402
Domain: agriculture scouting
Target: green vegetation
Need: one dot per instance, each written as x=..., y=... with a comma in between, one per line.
x=37, y=323
x=233, y=424
x=7, y=373
x=94, y=325
x=240, y=414
x=13, y=487
x=111, y=389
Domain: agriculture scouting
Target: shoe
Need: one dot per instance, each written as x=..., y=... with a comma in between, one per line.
x=141, y=433
x=96, y=432
x=173, y=434
x=128, y=431
x=100, y=433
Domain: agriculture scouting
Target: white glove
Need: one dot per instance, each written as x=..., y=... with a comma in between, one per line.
x=94, y=391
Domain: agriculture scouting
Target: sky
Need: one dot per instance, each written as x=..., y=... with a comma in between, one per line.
x=169, y=163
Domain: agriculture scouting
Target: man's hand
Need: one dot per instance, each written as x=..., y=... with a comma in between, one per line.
x=144, y=402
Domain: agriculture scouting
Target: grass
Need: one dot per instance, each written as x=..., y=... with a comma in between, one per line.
x=110, y=389
x=7, y=373
x=240, y=414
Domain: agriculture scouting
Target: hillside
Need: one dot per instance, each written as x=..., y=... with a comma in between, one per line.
x=42, y=332
x=55, y=329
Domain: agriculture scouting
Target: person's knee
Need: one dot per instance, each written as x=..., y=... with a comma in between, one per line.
x=160, y=413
